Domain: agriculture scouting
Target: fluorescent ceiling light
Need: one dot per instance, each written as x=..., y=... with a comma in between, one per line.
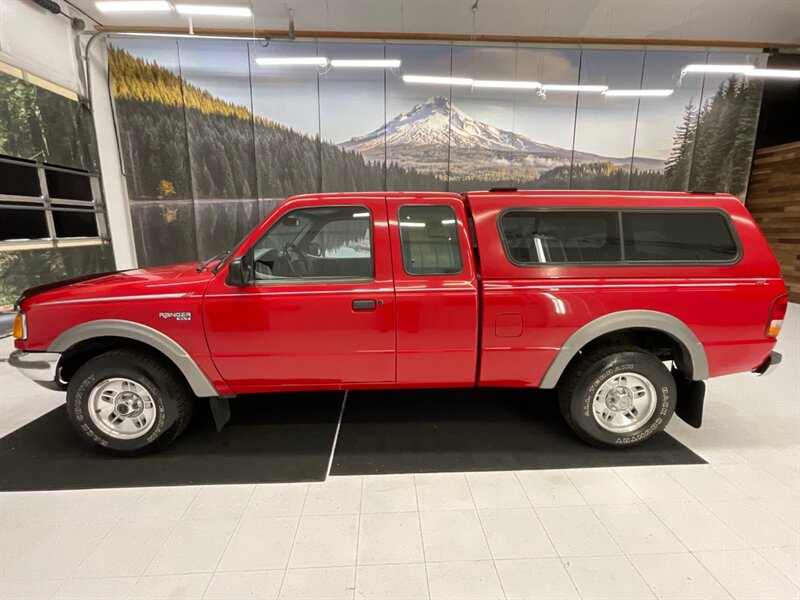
x=133, y=6
x=411, y=224
x=361, y=215
x=217, y=11
x=437, y=80
x=775, y=73
x=319, y=61
x=733, y=69
x=382, y=64
x=512, y=85
x=659, y=93
x=554, y=87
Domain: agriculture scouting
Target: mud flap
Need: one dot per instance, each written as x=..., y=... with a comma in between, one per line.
x=221, y=409
x=691, y=395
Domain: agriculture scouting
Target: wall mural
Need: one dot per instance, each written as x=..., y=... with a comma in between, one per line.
x=36, y=123
x=215, y=133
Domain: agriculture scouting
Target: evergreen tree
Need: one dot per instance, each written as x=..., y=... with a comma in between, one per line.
x=676, y=171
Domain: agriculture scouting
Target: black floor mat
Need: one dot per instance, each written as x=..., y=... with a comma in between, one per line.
x=419, y=431
x=276, y=438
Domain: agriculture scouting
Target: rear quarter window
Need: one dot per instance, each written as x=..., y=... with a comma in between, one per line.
x=684, y=237
x=537, y=237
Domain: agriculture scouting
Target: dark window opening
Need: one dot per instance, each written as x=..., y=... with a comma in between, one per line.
x=429, y=240
x=19, y=180
x=75, y=224
x=22, y=224
x=69, y=186
x=541, y=237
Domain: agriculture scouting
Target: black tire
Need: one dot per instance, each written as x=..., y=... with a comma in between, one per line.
x=587, y=374
x=171, y=396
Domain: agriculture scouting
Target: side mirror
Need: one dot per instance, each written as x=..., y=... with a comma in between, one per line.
x=240, y=271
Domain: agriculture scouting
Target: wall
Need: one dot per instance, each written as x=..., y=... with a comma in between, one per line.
x=35, y=40
x=211, y=137
x=774, y=201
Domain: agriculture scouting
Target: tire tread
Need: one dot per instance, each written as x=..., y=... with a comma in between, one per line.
x=574, y=373
x=177, y=389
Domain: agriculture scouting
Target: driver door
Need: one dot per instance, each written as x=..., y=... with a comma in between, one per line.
x=319, y=310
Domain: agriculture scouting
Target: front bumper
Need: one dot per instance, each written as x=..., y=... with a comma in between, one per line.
x=769, y=364
x=41, y=367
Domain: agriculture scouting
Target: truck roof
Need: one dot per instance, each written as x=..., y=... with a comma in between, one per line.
x=624, y=197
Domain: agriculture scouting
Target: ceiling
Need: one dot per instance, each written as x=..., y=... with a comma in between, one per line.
x=741, y=21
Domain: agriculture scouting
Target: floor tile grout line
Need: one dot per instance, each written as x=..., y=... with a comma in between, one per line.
x=628, y=556
x=707, y=506
x=421, y=536
x=166, y=538
x=358, y=526
x=485, y=537
x=113, y=524
x=561, y=558
x=230, y=539
x=336, y=435
x=758, y=551
x=549, y=539
x=294, y=539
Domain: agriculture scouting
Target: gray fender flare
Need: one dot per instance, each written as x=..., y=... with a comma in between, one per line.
x=627, y=319
x=200, y=384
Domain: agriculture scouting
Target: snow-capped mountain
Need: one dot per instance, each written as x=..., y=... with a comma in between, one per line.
x=435, y=122
x=416, y=139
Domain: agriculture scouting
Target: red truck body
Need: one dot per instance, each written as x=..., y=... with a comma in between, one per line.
x=495, y=323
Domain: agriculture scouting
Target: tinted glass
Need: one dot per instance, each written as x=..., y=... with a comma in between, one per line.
x=429, y=239
x=19, y=180
x=328, y=242
x=677, y=237
x=22, y=224
x=75, y=223
x=69, y=186
x=542, y=237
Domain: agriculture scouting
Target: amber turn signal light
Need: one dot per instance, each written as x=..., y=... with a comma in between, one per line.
x=776, y=315
x=20, y=329
x=774, y=327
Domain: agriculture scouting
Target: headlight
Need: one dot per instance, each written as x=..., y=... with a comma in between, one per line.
x=20, y=326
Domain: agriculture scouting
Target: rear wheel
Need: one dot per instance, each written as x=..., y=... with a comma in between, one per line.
x=125, y=401
x=619, y=396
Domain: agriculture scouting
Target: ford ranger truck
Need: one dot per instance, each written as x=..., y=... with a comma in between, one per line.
x=625, y=302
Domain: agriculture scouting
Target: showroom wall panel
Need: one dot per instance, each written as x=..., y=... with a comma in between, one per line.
x=352, y=101
x=238, y=132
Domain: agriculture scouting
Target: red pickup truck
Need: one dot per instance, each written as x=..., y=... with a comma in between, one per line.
x=624, y=301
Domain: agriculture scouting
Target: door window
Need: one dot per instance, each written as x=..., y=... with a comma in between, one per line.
x=329, y=242
x=429, y=240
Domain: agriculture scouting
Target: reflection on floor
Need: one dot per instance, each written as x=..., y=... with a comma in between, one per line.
x=730, y=528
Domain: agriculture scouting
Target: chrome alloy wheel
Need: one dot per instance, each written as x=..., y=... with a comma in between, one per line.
x=122, y=408
x=624, y=403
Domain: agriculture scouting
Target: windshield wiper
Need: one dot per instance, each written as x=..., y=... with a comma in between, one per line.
x=220, y=256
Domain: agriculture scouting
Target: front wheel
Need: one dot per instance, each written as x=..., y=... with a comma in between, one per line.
x=126, y=401
x=618, y=396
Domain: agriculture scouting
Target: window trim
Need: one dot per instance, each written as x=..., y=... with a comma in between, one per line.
x=317, y=280
x=623, y=262
x=458, y=242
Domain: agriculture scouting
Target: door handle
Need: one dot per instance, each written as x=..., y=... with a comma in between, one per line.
x=364, y=304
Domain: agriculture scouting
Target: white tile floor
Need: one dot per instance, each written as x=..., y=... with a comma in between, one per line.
x=729, y=529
